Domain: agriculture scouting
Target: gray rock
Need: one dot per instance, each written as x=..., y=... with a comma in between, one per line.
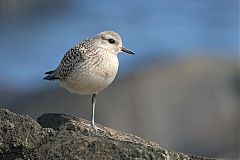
x=20, y=136
x=60, y=136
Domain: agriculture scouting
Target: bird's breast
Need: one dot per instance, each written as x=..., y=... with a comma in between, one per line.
x=106, y=68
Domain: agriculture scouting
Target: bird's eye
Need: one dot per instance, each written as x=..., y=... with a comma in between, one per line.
x=111, y=41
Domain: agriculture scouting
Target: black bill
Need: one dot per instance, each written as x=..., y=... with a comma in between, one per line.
x=127, y=50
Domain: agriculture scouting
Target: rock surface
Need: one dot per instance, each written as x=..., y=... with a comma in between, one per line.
x=59, y=136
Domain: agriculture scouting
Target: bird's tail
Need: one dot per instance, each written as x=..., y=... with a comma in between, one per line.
x=50, y=76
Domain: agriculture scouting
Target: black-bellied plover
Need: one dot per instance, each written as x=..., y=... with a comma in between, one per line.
x=90, y=66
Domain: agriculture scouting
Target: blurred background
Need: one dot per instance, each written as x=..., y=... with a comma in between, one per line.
x=181, y=89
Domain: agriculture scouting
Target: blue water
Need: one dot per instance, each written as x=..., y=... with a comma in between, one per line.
x=33, y=40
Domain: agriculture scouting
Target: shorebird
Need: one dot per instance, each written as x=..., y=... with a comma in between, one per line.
x=90, y=66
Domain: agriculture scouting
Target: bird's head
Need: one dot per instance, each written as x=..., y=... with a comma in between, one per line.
x=112, y=42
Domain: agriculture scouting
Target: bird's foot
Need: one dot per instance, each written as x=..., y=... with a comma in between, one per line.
x=96, y=128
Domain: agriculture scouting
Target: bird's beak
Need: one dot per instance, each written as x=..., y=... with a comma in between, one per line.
x=127, y=50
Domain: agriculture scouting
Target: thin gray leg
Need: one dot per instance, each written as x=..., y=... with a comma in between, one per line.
x=94, y=99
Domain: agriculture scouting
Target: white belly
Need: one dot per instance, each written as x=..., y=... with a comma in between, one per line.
x=92, y=79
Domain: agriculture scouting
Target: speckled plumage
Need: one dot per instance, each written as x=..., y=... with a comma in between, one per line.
x=75, y=55
x=90, y=66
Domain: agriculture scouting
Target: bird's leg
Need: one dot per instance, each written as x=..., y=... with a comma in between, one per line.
x=94, y=99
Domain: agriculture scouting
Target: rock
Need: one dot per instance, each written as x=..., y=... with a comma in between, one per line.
x=20, y=136
x=60, y=136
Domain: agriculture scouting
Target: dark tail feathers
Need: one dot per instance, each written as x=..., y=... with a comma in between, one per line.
x=50, y=76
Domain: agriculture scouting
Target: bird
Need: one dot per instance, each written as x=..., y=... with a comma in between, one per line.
x=90, y=66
